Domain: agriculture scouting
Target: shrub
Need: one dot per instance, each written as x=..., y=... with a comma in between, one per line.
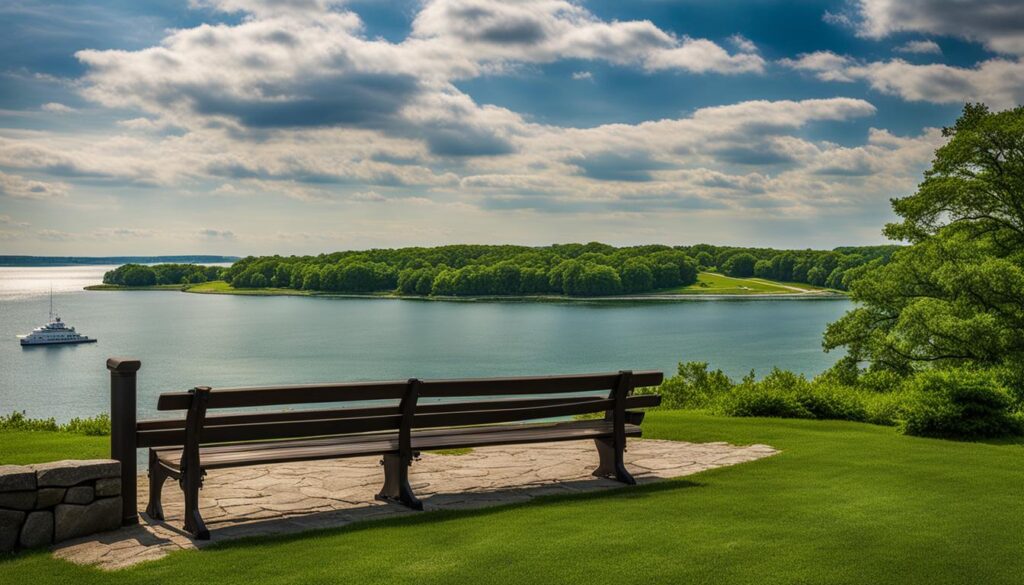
x=832, y=401
x=94, y=426
x=17, y=421
x=884, y=408
x=693, y=387
x=758, y=400
x=958, y=403
x=948, y=403
x=881, y=381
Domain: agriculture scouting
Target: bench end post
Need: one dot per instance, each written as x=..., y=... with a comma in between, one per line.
x=123, y=374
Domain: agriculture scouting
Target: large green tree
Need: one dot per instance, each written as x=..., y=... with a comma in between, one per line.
x=955, y=295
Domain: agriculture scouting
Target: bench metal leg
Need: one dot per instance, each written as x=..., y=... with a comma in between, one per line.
x=611, y=463
x=396, y=483
x=157, y=476
x=191, y=481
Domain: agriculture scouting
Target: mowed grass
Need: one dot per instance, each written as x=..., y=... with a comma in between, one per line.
x=222, y=288
x=21, y=447
x=711, y=283
x=843, y=503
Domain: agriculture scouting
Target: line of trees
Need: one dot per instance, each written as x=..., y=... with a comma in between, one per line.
x=593, y=269
x=829, y=268
x=142, y=275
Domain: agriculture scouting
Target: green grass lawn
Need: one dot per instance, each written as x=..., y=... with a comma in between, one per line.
x=711, y=283
x=20, y=447
x=223, y=288
x=843, y=503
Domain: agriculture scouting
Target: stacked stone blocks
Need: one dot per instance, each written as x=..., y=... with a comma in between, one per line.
x=52, y=502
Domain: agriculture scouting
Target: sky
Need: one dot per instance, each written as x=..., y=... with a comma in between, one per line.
x=307, y=126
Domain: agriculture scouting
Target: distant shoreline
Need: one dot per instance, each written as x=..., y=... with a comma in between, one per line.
x=46, y=261
x=219, y=289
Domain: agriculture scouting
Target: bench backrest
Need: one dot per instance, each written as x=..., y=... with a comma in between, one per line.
x=409, y=404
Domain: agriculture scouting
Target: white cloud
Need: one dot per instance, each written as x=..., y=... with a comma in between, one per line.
x=725, y=157
x=22, y=188
x=997, y=24
x=266, y=7
x=997, y=82
x=123, y=233
x=215, y=234
x=9, y=221
x=825, y=65
x=142, y=124
x=742, y=43
x=837, y=18
x=293, y=100
x=306, y=64
x=703, y=56
x=493, y=33
x=582, y=76
x=55, y=235
x=57, y=108
x=925, y=47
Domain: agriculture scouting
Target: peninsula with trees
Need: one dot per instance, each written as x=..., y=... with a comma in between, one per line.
x=506, y=271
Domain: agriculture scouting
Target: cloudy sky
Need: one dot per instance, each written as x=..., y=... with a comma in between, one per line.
x=299, y=126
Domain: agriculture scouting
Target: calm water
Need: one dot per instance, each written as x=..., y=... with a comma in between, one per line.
x=186, y=340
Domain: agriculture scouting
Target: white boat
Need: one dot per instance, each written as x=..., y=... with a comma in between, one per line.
x=55, y=332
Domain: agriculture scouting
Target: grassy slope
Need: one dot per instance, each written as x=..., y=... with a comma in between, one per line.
x=221, y=287
x=710, y=283
x=843, y=503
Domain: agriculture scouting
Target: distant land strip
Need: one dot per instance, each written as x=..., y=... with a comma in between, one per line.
x=110, y=260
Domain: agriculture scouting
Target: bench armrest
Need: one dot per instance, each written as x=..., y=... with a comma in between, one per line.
x=634, y=417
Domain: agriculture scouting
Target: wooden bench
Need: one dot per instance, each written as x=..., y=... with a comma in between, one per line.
x=412, y=416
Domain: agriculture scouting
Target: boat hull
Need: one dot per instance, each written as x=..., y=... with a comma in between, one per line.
x=27, y=342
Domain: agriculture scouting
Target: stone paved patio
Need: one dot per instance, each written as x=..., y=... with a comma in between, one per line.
x=284, y=498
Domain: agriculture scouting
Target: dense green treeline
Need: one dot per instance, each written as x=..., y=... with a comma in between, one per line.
x=141, y=275
x=831, y=268
x=592, y=269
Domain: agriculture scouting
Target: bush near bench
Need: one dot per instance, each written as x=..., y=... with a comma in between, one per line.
x=953, y=403
x=94, y=426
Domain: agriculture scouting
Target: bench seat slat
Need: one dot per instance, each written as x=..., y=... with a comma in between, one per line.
x=222, y=456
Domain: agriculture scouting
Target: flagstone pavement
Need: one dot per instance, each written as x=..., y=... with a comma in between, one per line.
x=293, y=497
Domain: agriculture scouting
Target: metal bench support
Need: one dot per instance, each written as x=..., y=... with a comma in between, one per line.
x=396, y=465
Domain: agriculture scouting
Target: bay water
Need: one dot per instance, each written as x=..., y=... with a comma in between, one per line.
x=186, y=340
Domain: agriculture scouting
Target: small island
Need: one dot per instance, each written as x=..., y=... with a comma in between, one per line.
x=558, y=272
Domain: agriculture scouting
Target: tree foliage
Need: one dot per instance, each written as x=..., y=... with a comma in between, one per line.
x=956, y=295
x=143, y=275
x=593, y=269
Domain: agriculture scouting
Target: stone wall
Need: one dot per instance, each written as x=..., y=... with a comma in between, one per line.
x=50, y=502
